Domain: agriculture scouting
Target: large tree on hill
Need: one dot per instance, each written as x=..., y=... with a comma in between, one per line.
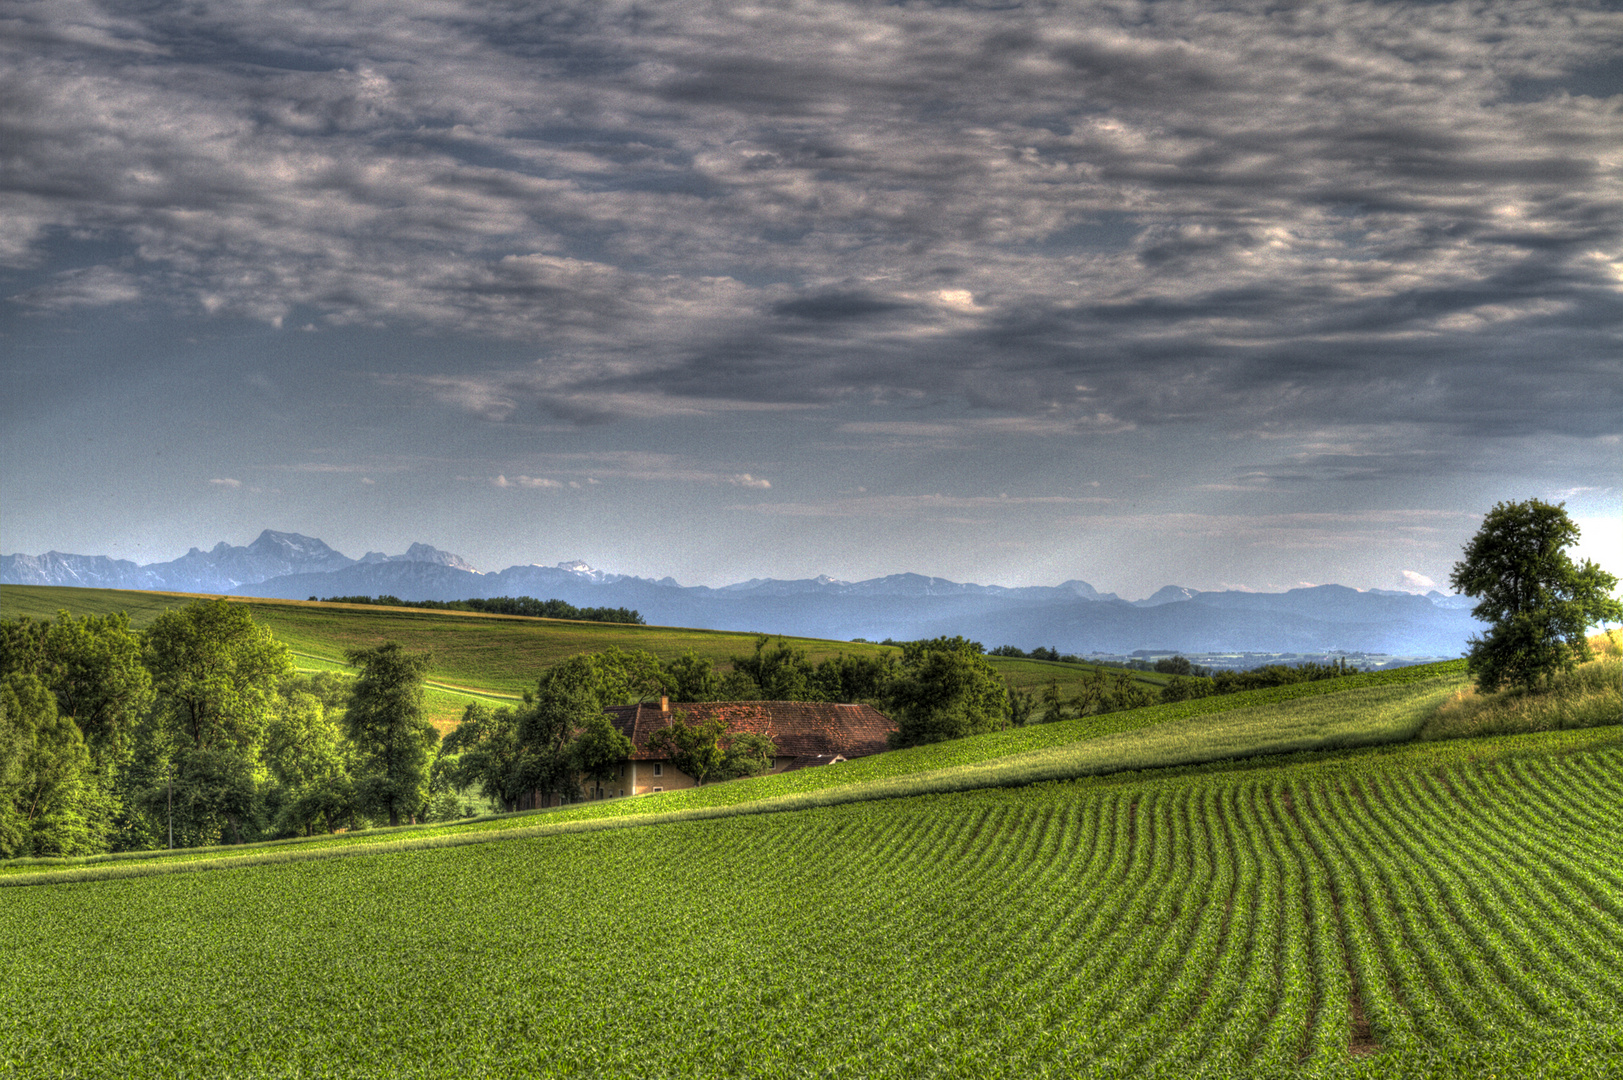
x=215, y=672
x=1537, y=601
x=385, y=720
x=217, y=679
x=945, y=689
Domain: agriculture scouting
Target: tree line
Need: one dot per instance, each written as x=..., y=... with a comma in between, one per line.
x=502, y=605
x=559, y=742
x=197, y=730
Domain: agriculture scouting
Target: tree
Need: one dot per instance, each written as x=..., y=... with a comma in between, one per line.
x=566, y=699
x=616, y=676
x=309, y=761
x=385, y=721
x=746, y=753
x=711, y=750
x=1537, y=602
x=850, y=679
x=209, y=794
x=782, y=672
x=484, y=749
x=545, y=746
x=44, y=769
x=1022, y=707
x=694, y=748
x=93, y=666
x=946, y=689
x=1053, y=703
x=693, y=678
x=216, y=676
x=1183, y=688
x=600, y=750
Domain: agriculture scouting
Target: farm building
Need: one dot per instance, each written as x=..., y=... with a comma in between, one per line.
x=806, y=733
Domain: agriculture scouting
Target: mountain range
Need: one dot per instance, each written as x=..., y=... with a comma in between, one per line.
x=1072, y=617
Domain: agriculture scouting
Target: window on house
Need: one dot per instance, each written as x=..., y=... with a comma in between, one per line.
x=659, y=789
x=659, y=768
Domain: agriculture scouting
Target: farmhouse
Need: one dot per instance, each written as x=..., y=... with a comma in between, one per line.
x=806, y=733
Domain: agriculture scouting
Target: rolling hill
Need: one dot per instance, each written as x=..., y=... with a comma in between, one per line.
x=480, y=657
x=1133, y=895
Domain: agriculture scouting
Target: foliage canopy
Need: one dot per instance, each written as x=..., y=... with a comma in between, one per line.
x=945, y=689
x=711, y=750
x=385, y=719
x=1537, y=601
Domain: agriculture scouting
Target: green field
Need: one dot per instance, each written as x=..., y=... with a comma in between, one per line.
x=1427, y=909
x=1360, y=710
x=1280, y=883
x=479, y=657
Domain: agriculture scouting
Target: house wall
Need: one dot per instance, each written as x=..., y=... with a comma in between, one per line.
x=616, y=786
x=672, y=778
x=637, y=778
x=640, y=778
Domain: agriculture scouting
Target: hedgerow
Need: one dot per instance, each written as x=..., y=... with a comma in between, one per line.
x=1158, y=736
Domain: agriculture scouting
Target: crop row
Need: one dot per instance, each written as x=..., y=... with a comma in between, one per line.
x=1360, y=921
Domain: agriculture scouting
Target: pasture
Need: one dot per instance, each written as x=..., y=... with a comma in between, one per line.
x=1359, y=710
x=492, y=658
x=1279, y=883
x=1431, y=909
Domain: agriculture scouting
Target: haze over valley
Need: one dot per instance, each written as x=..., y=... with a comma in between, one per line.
x=1072, y=616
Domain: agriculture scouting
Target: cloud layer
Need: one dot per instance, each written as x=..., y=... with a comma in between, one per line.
x=1113, y=213
x=1365, y=242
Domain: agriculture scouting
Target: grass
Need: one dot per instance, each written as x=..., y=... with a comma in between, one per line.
x=1382, y=708
x=479, y=656
x=1418, y=910
x=1588, y=696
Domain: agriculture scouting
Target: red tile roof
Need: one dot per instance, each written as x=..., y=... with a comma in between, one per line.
x=800, y=729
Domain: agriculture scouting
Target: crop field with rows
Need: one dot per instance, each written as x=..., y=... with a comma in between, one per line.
x=1423, y=910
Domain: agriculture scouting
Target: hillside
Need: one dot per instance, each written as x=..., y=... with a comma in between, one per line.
x=1403, y=909
x=476, y=656
x=1359, y=710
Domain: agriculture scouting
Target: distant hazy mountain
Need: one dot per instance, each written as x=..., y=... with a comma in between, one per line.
x=218, y=570
x=422, y=553
x=80, y=571
x=1166, y=594
x=1071, y=617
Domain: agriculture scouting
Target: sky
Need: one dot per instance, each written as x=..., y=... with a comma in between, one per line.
x=1241, y=295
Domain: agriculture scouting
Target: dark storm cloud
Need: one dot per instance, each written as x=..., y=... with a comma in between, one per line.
x=1079, y=217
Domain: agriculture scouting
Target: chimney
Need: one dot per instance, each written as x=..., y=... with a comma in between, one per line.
x=664, y=703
